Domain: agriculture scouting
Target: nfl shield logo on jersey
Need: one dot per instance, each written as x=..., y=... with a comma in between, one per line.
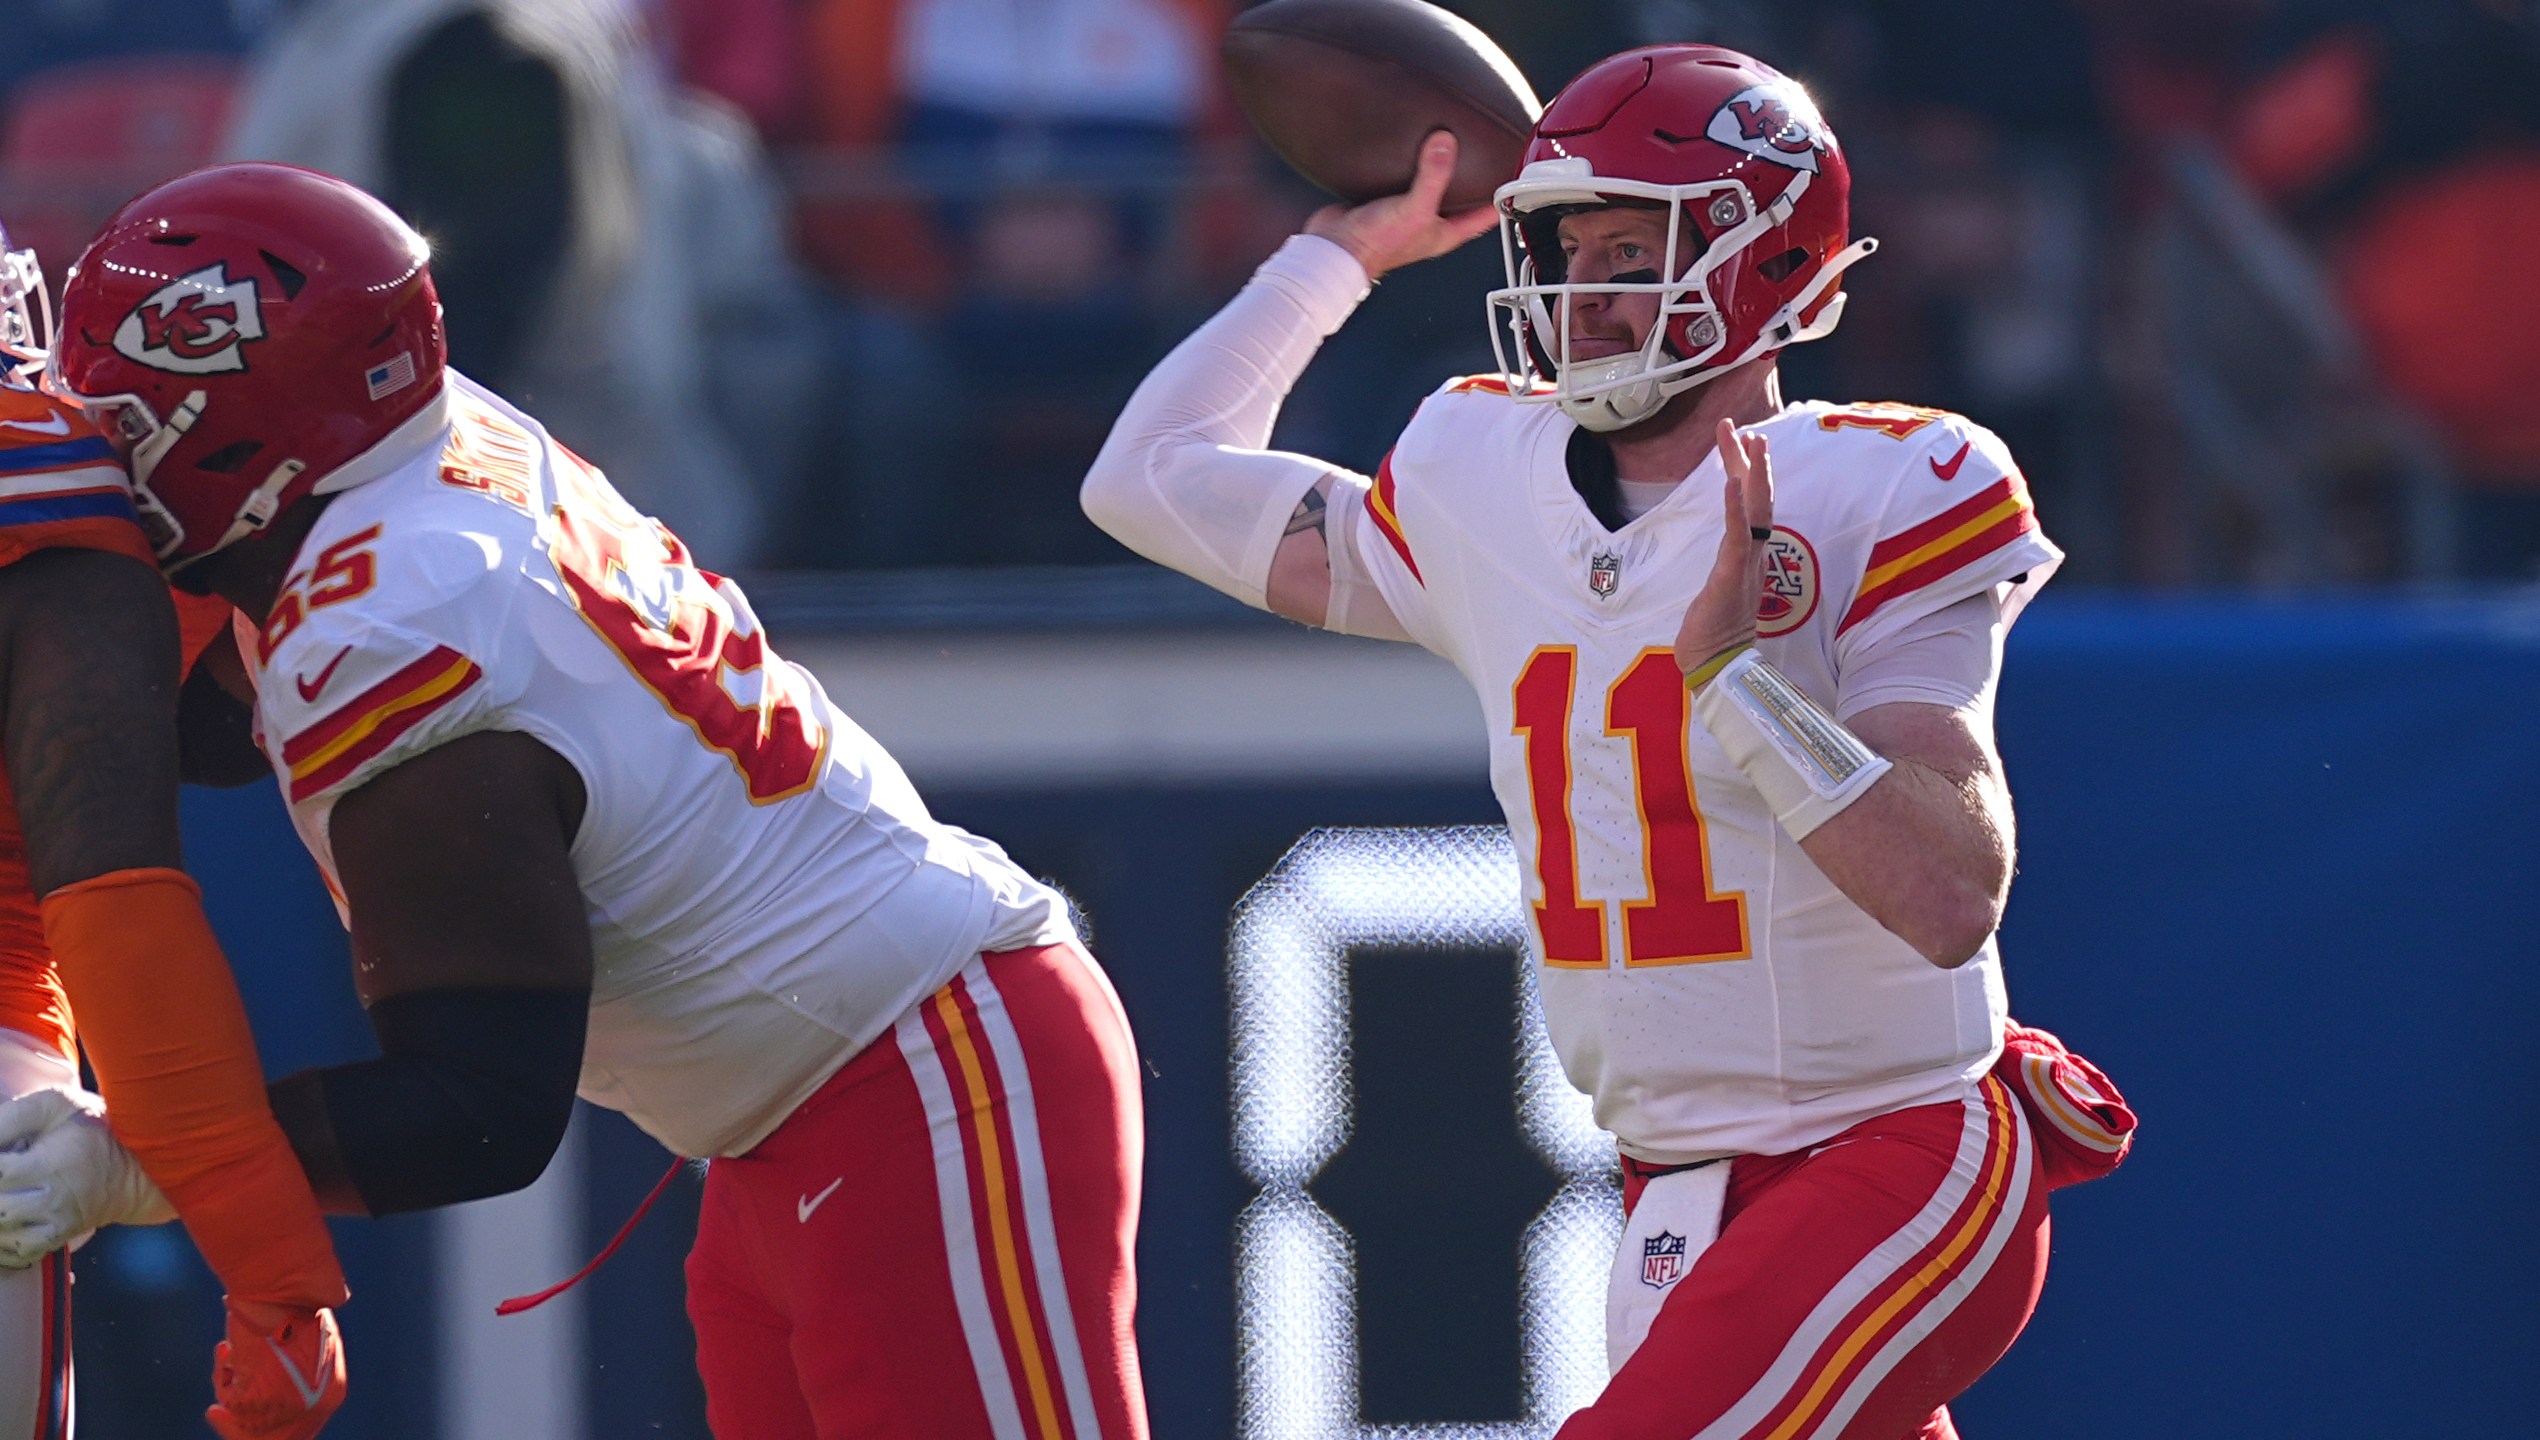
x=1605, y=575
x=1662, y=1259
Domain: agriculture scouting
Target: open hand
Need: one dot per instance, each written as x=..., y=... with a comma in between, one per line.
x=1722, y=616
x=1400, y=229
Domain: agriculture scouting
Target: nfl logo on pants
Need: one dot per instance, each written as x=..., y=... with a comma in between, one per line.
x=1662, y=1259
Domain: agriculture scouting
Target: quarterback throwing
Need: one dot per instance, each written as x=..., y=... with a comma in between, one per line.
x=1738, y=659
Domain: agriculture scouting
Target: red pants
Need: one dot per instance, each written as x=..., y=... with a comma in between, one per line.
x=938, y=1244
x=1855, y=1287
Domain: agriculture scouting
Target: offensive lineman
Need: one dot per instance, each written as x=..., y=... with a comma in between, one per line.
x=98, y=923
x=1765, y=852
x=586, y=827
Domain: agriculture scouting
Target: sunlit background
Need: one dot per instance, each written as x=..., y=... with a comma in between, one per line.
x=847, y=291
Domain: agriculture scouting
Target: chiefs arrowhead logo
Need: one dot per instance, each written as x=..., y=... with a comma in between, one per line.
x=1790, y=584
x=1777, y=122
x=194, y=325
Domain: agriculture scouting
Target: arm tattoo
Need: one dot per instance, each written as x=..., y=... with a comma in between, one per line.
x=1310, y=514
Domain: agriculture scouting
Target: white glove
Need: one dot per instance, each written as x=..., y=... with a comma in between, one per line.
x=62, y=1175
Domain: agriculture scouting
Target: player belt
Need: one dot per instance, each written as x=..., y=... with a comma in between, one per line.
x=1644, y=1172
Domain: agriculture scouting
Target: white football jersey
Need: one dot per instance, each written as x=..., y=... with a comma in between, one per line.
x=767, y=893
x=1702, y=979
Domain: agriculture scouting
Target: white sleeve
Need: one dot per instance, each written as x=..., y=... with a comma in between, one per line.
x=1950, y=656
x=1358, y=605
x=362, y=697
x=415, y=661
x=1184, y=480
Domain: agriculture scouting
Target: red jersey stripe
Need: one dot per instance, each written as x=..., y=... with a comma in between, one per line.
x=308, y=742
x=315, y=778
x=1380, y=507
x=1906, y=542
x=2010, y=527
x=377, y=729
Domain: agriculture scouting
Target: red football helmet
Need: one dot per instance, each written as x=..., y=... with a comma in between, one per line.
x=241, y=333
x=1757, y=195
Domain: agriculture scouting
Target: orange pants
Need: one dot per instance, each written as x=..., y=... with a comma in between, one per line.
x=938, y=1244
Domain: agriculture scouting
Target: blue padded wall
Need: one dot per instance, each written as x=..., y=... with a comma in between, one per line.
x=2276, y=875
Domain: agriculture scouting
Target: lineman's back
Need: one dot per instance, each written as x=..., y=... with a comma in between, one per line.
x=766, y=891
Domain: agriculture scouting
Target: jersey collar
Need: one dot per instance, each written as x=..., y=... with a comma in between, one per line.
x=425, y=429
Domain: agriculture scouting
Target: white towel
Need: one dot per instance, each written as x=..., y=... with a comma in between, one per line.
x=1676, y=1220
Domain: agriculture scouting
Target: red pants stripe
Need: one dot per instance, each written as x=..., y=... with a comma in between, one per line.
x=1854, y=1289
x=939, y=1242
x=53, y=1403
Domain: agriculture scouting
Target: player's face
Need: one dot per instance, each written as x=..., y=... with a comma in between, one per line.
x=1626, y=243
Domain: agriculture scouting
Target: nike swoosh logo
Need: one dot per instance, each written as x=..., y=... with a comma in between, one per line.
x=309, y=1394
x=808, y=1203
x=58, y=425
x=1950, y=470
x=309, y=689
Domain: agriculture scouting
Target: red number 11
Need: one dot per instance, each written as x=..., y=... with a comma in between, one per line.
x=1681, y=922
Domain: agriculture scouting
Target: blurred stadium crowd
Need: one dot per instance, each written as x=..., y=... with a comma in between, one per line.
x=858, y=284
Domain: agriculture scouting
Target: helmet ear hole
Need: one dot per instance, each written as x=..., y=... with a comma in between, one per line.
x=285, y=274
x=230, y=458
x=1781, y=267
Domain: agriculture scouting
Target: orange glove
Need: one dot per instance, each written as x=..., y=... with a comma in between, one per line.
x=278, y=1376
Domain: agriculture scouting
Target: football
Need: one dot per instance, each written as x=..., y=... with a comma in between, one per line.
x=1345, y=90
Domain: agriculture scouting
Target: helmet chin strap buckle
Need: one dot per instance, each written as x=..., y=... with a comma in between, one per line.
x=258, y=510
x=155, y=447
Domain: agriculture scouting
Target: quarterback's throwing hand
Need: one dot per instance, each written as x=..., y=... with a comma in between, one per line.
x=1722, y=617
x=279, y=1375
x=1393, y=232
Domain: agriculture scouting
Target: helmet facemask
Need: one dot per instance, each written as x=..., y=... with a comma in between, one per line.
x=26, y=315
x=134, y=428
x=1689, y=338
